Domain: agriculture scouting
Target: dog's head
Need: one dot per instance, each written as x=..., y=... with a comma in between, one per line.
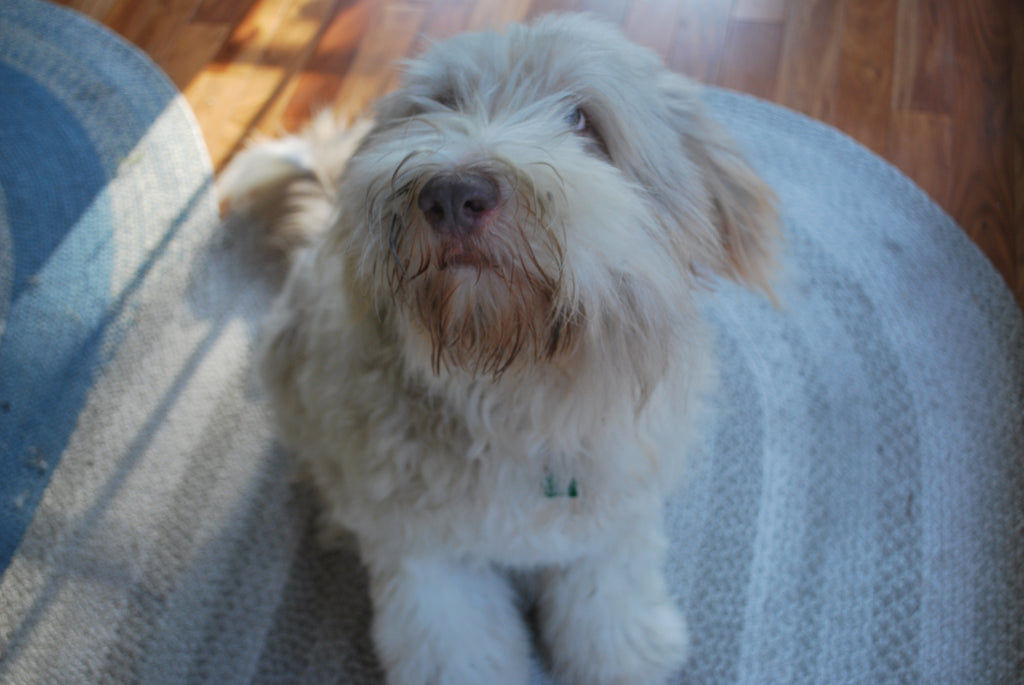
x=547, y=192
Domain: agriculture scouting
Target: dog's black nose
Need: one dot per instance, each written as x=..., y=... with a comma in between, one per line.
x=457, y=203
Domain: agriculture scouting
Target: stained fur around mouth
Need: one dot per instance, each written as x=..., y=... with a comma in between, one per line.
x=524, y=309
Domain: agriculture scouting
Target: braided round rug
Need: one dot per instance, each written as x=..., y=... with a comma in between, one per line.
x=104, y=178
x=855, y=514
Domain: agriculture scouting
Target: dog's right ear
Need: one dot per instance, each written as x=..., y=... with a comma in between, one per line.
x=742, y=207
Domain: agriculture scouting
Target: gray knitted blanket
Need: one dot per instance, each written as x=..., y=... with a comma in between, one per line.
x=855, y=514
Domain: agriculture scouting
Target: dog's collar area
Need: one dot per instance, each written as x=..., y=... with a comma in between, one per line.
x=552, y=487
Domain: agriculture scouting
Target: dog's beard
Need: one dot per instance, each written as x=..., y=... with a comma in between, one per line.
x=487, y=299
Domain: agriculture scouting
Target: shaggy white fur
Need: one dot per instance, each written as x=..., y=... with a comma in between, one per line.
x=490, y=310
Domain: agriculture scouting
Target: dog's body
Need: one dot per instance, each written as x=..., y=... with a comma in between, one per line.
x=490, y=310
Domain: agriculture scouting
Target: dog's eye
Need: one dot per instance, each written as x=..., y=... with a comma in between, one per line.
x=577, y=121
x=447, y=99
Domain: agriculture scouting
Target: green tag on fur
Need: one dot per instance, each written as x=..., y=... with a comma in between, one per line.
x=573, y=490
x=552, y=489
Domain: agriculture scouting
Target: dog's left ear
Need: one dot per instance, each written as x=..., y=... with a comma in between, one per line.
x=740, y=206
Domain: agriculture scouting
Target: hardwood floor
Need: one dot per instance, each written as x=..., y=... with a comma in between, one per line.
x=935, y=86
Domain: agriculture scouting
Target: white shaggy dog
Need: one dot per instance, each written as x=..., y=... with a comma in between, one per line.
x=490, y=307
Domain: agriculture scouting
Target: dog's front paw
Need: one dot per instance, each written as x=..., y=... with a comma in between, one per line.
x=447, y=623
x=645, y=647
x=648, y=646
x=612, y=623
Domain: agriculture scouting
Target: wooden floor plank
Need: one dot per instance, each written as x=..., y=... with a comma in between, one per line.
x=494, y=15
x=1016, y=231
x=982, y=193
x=96, y=9
x=770, y=11
x=750, y=62
x=699, y=39
x=326, y=72
x=539, y=7
x=653, y=23
x=864, y=88
x=925, y=59
x=614, y=11
x=809, y=65
x=294, y=44
x=374, y=71
x=193, y=47
x=228, y=12
x=443, y=19
x=133, y=19
x=253, y=63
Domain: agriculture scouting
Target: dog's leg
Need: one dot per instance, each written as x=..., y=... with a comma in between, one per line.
x=609, y=620
x=441, y=622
